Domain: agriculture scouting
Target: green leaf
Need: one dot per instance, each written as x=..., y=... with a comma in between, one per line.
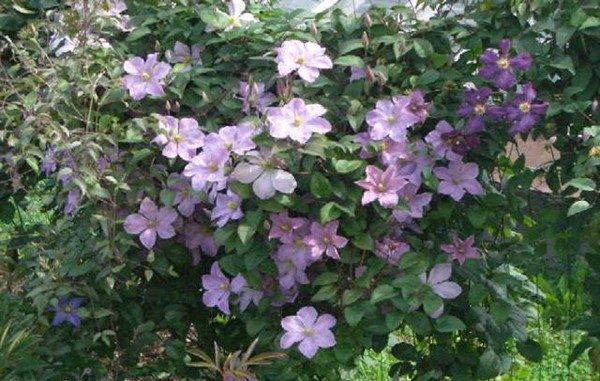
x=432, y=303
x=382, y=292
x=531, y=350
x=419, y=322
x=350, y=61
x=320, y=186
x=582, y=183
x=363, y=241
x=324, y=293
x=489, y=364
x=351, y=296
x=346, y=166
x=248, y=227
x=578, y=207
x=449, y=323
x=423, y=47
x=354, y=314
x=325, y=278
x=329, y=212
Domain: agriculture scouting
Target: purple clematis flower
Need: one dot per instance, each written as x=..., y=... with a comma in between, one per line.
x=254, y=96
x=391, y=249
x=475, y=108
x=67, y=310
x=227, y=207
x=297, y=120
x=461, y=250
x=416, y=202
x=236, y=139
x=442, y=142
x=523, y=111
x=180, y=137
x=324, y=239
x=198, y=236
x=357, y=73
x=151, y=221
x=262, y=171
x=459, y=178
x=500, y=68
x=145, y=77
x=438, y=281
x=312, y=331
x=73, y=198
x=185, y=55
x=382, y=186
x=291, y=261
x=305, y=57
x=217, y=289
x=417, y=105
x=247, y=295
x=285, y=228
x=50, y=161
x=207, y=167
x=186, y=198
x=391, y=118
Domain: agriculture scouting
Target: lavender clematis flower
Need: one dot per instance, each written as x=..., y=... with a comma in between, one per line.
x=391, y=118
x=186, y=198
x=236, y=139
x=50, y=161
x=197, y=236
x=500, y=68
x=309, y=329
x=391, y=249
x=67, y=310
x=227, y=208
x=207, y=167
x=417, y=106
x=459, y=178
x=297, y=120
x=324, y=239
x=382, y=186
x=475, y=108
x=239, y=285
x=285, y=228
x=523, y=111
x=145, y=77
x=254, y=96
x=73, y=198
x=305, y=57
x=357, y=73
x=261, y=170
x=461, y=250
x=185, y=55
x=291, y=261
x=416, y=202
x=442, y=146
x=236, y=16
x=217, y=289
x=438, y=281
x=180, y=137
x=150, y=222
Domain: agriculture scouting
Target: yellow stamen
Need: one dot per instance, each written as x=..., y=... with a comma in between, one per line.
x=503, y=63
x=479, y=109
x=525, y=107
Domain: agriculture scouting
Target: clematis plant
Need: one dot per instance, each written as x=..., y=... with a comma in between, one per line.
x=309, y=329
x=145, y=77
x=297, y=120
x=151, y=221
x=307, y=58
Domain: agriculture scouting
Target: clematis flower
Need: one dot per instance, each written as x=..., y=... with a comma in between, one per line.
x=198, y=236
x=412, y=161
x=73, y=198
x=440, y=285
x=151, y=221
x=357, y=73
x=254, y=96
x=188, y=56
x=416, y=105
x=67, y=310
x=207, y=167
x=291, y=261
x=475, y=108
x=461, y=250
x=217, y=289
x=459, y=178
x=523, y=111
x=297, y=120
x=145, y=77
x=261, y=170
x=236, y=139
x=391, y=118
x=382, y=186
x=246, y=294
x=235, y=17
x=391, y=249
x=438, y=139
x=416, y=202
x=286, y=228
x=50, y=160
x=186, y=198
x=179, y=137
x=227, y=207
x=500, y=68
x=305, y=57
x=324, y=239
x=309, y=329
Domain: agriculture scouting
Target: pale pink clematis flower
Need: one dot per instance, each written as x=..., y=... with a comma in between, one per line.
x=461, y=249
x=145, y=77
x=324, y=239
x=297, y=120
x=312, y=331
x=382, y=186
x=305, y=57
x=179, y=137
x=151, y=221
x=459, y=178
x=262, y=171
x=441, y=286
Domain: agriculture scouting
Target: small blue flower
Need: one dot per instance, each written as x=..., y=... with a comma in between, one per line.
x=67, y=310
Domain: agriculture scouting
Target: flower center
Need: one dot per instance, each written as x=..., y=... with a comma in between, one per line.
x=309, y=331
x=479, y=109
x=152, y=224
x=177, y=138
x=232, y=205
x=233, y=20
x=503, y=63
x=228, y=146
x=384, y=145
x=224, y=286
x=145, y=76
x=525, y=107
x=297, y=121
x=299, y=243
x=286, y=227
x=67, y=309
x=391, y=119
x=381, y=187
x=213, y=167
x=300, y=61
x=326, y=240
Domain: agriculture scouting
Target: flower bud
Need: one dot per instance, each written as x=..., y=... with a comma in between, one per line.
x=168, y=106
x=367, y=20
x=595, y=104
x=313, y=29
x=369, y=73
x=283, y=89
x=365, y=39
